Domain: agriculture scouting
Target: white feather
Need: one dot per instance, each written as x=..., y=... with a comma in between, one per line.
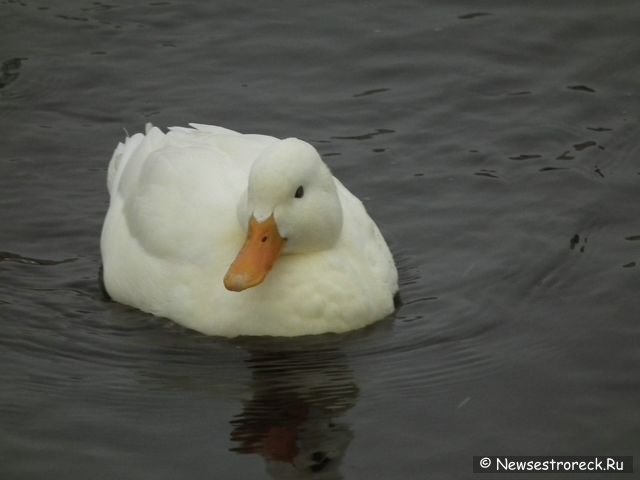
x=177, y=219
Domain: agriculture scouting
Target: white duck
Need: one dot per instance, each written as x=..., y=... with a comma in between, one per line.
x=233, y=234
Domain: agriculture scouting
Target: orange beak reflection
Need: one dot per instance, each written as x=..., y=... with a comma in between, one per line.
x=257, y=256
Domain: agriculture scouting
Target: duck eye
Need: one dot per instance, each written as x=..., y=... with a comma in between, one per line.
x=299, y=192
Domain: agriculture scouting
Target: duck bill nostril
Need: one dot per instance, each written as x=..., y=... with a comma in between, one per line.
x=257, y=256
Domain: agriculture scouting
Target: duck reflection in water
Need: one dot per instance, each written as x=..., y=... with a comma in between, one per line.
x=292, y=420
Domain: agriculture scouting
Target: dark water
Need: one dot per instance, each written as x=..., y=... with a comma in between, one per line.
x=496, y=145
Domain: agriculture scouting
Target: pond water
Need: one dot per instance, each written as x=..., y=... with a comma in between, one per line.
x=497, y=147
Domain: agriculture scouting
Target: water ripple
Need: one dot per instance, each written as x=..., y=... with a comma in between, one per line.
x=10, y=71
x=14, y=257
x=366, y=136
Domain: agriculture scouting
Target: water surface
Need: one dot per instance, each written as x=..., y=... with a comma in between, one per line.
x=496, y=147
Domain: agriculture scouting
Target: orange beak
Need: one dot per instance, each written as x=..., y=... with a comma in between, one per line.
x=260, y=251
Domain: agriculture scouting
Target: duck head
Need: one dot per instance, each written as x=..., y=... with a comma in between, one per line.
x=291, y=206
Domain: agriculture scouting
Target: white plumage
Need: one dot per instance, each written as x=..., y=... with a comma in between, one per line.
x=181, y=205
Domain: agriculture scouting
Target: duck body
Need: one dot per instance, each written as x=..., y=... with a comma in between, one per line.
x=183, y=204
